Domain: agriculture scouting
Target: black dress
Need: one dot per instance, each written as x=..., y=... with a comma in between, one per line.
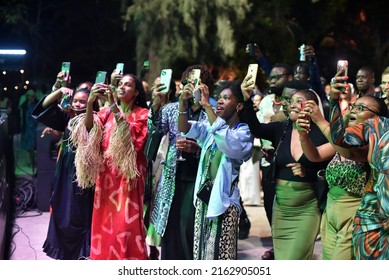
x=69, y=232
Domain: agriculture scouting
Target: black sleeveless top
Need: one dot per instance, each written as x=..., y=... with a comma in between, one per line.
x=284, y=157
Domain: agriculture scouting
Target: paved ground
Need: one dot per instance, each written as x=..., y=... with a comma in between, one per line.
x=30, y=229
x=30, y=233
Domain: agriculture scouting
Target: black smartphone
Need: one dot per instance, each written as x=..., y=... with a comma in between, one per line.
x=251, y=47
x=101, y=77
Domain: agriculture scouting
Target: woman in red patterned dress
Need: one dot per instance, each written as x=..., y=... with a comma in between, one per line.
x=117, y=224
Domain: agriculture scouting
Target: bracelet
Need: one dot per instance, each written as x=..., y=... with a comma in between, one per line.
x=326, y=128
x=183, y=113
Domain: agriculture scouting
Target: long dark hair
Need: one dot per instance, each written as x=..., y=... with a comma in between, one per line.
x=141, y=97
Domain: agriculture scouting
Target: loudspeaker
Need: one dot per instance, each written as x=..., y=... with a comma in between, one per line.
x=7, y=184
x=46, y=159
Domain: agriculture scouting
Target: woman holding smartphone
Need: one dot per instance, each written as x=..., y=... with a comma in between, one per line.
x=371, y=224
x=346, y=178
x=110, y=153
x=296, y=213
x=172, y=212
x=225, y=143
x=69, y=232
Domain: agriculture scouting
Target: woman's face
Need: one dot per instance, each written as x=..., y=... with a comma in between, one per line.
x=126, y=90
x=361, y=110
x=226, y=104
x=295, y=105
x=79, y=101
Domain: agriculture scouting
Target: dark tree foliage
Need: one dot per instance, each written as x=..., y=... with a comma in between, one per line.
x=88, y=33
x=94, y=34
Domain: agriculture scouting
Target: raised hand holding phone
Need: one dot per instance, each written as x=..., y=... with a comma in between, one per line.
x=252, y=72
x=342, y=68
x=195, y=80
x=120, y=67
x=165, y=79
x=101, y=77
x=339, y=82
x=65, y=70
x=66, y=99
x=117, y=74
x=248, y=82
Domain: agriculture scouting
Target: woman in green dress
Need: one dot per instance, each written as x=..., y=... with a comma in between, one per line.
x=296, y=215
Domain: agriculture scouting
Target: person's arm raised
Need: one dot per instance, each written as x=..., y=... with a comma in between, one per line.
x=94, y=93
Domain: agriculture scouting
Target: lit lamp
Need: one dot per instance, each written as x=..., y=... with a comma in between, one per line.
x=13, y=52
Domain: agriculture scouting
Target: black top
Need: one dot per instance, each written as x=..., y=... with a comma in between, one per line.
x=273, y=132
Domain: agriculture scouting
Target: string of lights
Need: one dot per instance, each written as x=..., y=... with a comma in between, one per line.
x=12, y=70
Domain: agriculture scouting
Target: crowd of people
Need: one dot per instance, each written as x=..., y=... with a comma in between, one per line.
x=110, y=201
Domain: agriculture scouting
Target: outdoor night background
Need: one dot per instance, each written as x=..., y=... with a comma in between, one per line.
x=95, y=34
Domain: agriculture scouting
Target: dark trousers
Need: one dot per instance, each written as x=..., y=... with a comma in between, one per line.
x=243, y=214
x=269, y=192
x=177, y=242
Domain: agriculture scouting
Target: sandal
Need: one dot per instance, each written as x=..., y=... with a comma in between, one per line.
x=268, y=255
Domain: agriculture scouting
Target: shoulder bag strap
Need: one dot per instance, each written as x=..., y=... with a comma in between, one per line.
x=282, y=137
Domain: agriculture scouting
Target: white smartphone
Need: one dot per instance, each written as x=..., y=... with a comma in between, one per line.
x=195, y=77
x=252, y=70
x=101, y=77
x=120, y=67
x=165, y=79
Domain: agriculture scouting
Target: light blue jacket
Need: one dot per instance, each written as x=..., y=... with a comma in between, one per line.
x=236, y=147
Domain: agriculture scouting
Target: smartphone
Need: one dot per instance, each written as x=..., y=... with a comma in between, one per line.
x=146, y=64
x=252, y=70
x=195, y=77
x=251, y=47
x=342, y=65
x=65, y=102
x=120, y=67
x=196, y=96
x=66, y=69
x=303, y=104
x=101, y=77
x=302, y=52
x=165, y=79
